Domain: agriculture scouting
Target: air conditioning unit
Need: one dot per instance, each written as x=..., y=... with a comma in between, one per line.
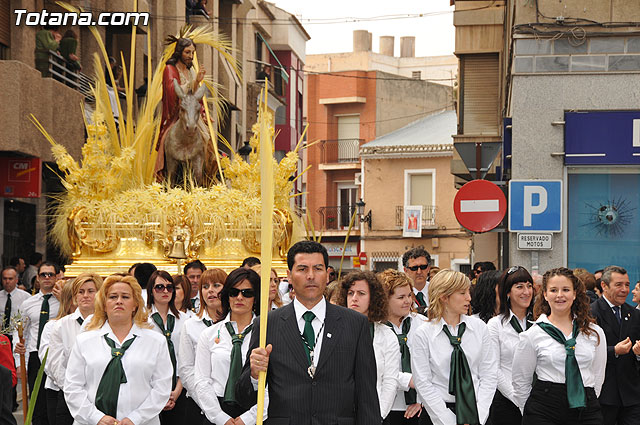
x=358, y=179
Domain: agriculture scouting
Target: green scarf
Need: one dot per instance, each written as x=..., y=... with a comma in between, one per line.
x=405, y=357
x=171, y=322
x=113, y=376
x=235, y=367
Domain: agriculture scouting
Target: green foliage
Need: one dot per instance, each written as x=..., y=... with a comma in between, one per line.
x=36, y=390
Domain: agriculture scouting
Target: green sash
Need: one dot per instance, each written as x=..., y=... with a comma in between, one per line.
x=405, y=357
x=113, y=376
x=235, y=367
x=171, y=322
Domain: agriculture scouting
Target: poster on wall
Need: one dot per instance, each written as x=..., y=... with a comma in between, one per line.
x=21, y=177
x=412, y=224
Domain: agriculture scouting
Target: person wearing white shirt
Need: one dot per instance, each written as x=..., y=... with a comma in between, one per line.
x=11, y=297
x=363, y=292
x=453, y=361
x=38, y=310
x=566, y=351
x=417, y=262
x=515, y=289
x=193, y=272
x=211, y=284
x=121, y=370
x=182, y=302
x=51, y=385
x=63, y=336
x=222, y=350
x=167, y=320
x=406, y=409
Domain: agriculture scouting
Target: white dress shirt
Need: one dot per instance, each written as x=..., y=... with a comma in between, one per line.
x=505, y=340
x=175, y=335
x=424, y=291
x=63, y=336
x=404, y=378
x=31, y=309
x=189, y=336
x=538, y=352
x=387, y=353
x=146, y=364
x=49, y=382
x=213, y=360
x=431, y=364
x=18, y=296
x=320, y=311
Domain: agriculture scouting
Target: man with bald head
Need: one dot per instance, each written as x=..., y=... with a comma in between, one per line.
x=11, y=297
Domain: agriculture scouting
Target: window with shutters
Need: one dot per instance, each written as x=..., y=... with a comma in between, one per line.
x=480, y=94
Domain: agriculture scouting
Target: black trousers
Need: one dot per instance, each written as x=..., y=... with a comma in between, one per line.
x=175, y=416
x=6, y=402
x=40, y=409
x=503, y=411
x=396, y=417
x=52, y=405
x=547, y=405
x=63, y=416
x=621, y=415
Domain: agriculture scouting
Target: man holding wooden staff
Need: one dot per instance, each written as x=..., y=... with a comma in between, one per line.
x=319, y=357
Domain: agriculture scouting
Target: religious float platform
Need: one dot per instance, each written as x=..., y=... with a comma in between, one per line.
x=116, y=212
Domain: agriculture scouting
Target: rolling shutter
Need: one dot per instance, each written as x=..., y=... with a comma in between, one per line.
x=480, y=94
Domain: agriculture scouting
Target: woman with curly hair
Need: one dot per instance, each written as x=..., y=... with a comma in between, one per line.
x=453, y=361
x=119, y=370
x=516, y=294
x=406, y=409
x=485, y=301
x=566, y=350
x=363, y=292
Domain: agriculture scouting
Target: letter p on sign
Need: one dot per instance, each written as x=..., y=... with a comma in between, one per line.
x=530, y=208
x=535, y=206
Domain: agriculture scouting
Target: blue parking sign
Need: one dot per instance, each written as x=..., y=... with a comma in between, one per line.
x=535, y=206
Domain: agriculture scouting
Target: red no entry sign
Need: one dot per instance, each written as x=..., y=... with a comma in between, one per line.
x=479, y=206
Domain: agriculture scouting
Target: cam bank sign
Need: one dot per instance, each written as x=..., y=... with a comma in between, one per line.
x=335, y=249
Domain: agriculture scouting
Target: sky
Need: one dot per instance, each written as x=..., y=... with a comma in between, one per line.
x=434, y=31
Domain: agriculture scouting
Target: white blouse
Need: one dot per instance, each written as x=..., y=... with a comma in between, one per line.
x=146, y=364
x=505, y=339
x=175, y=335
x=49, y=382
x=213, y=360
x=538, y=352
x=189, y=337
x=387, y=353
x=404, y=378
x=431, y=364
x=63, y=336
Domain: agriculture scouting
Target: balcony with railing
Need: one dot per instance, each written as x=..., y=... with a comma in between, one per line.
x=338, y=218
x=428, y=216
x=340, y=151
x=60, y=70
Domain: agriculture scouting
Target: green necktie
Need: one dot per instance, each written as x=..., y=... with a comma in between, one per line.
x=235, y=367
x=575, y=388
x=372, y=329
x=113, y=376
x=460, y=380
x=80, y=320
x=171, y=321
x=420, y=298
x=44, y=316
x=207, y=323
x=405, y=357
x=193, y=303
x=308, y=334
x=7, y=313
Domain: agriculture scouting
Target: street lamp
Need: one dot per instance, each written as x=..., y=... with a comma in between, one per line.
x=245, y=151
x=363, y=218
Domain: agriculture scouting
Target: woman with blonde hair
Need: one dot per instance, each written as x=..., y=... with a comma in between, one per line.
x=398, y=287
x=363, y=292
x=210, y=285
x=64, y=333
x=453, y=361
x=52, y=387
x=121, y=370
x=568, y=353
x=274, y=294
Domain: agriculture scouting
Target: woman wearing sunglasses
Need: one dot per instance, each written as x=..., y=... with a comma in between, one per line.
x=166, y=319
x=222, y=350
x=210, y=285
x=515, y=289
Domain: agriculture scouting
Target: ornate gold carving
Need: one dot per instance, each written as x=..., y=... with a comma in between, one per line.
x=79, y=236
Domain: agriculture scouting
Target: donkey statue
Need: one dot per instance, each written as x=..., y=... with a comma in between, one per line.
x=184, y=142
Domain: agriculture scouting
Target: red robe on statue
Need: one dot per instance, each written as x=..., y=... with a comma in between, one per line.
x=170, y=105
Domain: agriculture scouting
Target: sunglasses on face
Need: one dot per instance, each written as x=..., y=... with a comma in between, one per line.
x=46, y=274
x=246, y=293
x=161, y=288
x=415, y=268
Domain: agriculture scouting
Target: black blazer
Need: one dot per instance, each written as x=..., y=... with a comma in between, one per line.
x=622, y=378
x=343, y=391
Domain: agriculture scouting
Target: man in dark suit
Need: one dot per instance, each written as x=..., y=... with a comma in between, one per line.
x=319, y=359
x=620, y=395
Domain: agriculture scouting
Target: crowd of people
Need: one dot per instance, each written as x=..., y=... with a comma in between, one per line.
x=418, y=346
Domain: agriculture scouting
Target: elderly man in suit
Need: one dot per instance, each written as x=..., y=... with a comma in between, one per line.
x=620, y=395
x=319, y=359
